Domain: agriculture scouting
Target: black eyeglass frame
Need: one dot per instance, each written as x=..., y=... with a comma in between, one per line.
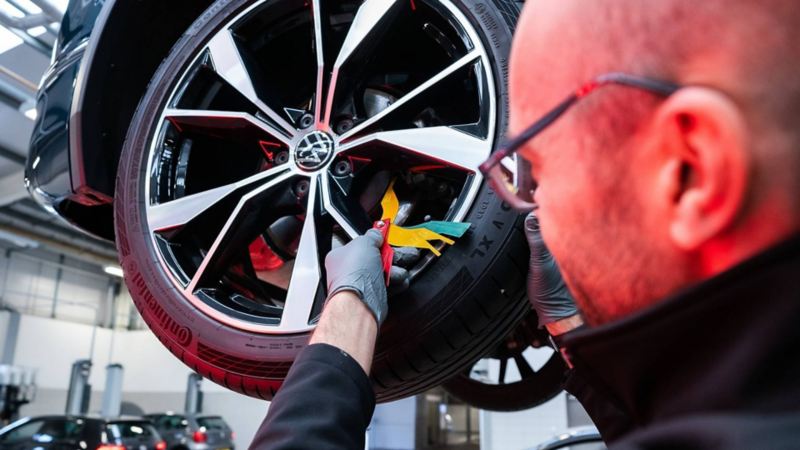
x=491, y=167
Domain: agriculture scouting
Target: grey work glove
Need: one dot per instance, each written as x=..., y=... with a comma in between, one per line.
x=357, y=267
x=547, y=292
x=399, y=278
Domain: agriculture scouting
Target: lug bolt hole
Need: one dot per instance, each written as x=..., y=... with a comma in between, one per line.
x=343, y=126
x=342, y=168
x=306, y=121
x=282, y=158
x=301, y=188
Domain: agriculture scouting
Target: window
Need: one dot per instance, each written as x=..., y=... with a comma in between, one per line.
x=45, y=431
x=212, y=423
x=127, y=430
x=171, y=422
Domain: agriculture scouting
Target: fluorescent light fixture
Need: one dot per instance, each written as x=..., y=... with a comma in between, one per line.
x=113, y=271
x=31, y=113
x=37, y=31
x=8, y=40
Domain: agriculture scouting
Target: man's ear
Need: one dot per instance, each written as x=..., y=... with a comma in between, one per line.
x=704, y=138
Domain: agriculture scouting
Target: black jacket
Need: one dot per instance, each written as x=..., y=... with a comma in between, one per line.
x=326, y=402
x=714, y=367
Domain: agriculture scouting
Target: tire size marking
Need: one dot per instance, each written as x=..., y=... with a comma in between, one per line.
x=486, y=243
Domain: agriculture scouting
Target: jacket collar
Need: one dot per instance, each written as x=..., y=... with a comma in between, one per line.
x=728, y=343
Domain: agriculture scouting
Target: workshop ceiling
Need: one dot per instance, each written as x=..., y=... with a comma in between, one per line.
x=28, y=29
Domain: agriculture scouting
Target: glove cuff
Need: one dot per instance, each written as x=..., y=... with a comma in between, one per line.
x=377, y=312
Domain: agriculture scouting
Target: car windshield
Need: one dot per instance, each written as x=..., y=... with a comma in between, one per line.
x=212, y=423
x=169, y=422
x=44, y=431
x=129, y=430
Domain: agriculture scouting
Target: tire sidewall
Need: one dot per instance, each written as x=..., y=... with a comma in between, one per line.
x=184, y=329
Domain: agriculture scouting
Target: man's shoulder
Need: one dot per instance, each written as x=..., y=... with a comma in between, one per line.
x=729, y=431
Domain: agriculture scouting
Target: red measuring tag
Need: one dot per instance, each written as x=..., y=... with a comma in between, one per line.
x=387, y=252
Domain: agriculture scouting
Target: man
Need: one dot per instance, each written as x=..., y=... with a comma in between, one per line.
x=669, y=199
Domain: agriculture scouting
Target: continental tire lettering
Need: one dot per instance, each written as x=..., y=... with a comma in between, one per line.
x=181, y=334
x=122, y=235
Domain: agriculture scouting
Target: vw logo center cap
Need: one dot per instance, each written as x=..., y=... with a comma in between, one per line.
x=313, y=151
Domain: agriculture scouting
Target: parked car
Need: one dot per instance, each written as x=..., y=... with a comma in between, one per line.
x=193, y=431
x=227, y=146
x=81, y=432
x=579, y=438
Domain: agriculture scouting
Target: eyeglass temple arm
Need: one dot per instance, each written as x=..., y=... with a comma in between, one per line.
x=513, y=145
x=664, y=88
x=656, y=86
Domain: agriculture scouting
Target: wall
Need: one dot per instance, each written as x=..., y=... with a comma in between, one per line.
x=153, y=379
x=393, y=425
x=523, y=429
x=40, y=283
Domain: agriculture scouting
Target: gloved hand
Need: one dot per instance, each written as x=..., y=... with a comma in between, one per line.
x=547, y=292
x=357, y=267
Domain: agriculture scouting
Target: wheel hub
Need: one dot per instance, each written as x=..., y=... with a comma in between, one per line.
x=313, y=151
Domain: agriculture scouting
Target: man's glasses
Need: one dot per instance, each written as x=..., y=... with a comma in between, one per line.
x=501, y=178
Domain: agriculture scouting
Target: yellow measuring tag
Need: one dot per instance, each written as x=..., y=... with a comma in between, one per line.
x=419, y=237
x=390, y=204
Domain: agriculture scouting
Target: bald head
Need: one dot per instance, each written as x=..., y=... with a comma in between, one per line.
x=641, y=195
x=748, y=49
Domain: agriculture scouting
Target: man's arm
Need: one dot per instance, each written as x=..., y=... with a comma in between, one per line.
x=326, y=400
x=348, y=324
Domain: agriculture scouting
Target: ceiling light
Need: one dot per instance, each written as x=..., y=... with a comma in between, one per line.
x=113, y=271
x=31, y=113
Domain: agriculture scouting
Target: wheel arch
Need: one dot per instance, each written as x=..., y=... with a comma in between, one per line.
x=128, y=42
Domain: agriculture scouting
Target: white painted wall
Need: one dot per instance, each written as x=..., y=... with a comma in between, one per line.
x=523, y=429
x=393, y=425
x=153, y=378
x=28, y=284
x=4, y=318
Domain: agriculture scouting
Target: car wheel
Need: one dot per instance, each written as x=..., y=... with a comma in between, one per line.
x=269, y=135
x=538, y=377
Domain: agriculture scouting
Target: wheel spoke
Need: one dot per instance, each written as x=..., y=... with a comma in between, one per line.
x=369, y=15
x=465, y=60
x=209, y=118
x=501, y=378
x=443, y=144
x=179, y=212
x=365, y=24
x=306, y=273
x=525, y=370
x=235, y=229
x=228, y=63
x=316, y=7
x=327, y=201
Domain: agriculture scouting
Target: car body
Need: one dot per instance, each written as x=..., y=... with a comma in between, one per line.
x=580, y=438
x=193, y=431
x=420, y=83
x=60, y=432
x=100, y=53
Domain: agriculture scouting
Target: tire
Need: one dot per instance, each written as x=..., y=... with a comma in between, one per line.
x=534, y=387
x=456, y=310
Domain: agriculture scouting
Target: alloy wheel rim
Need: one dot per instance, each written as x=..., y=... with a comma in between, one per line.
x=302, y=150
